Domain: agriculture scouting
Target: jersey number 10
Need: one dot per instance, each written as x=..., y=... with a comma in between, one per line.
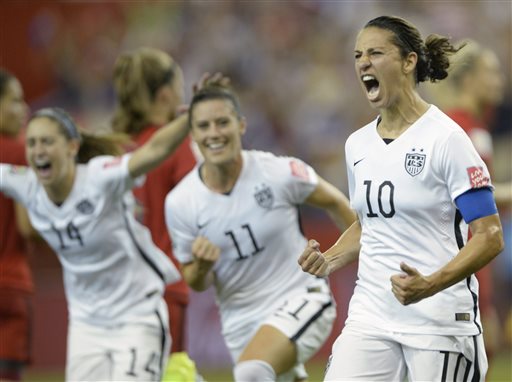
x=391, y=205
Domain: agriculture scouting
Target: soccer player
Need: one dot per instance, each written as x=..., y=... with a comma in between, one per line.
x=114, y=276
x=413, y=176
x=16, y=285
x=469, y=96
x=241, y=233
x=149, y=87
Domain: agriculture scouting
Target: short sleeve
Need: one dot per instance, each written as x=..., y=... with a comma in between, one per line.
x=350, y=171
x=110, y=174
x=180, y=230
x=460, y=166
x=17, y=182
x=300, y=179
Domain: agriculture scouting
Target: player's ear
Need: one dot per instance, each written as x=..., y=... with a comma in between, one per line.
x=409, y=63
x=243, y=125
x=73, y=147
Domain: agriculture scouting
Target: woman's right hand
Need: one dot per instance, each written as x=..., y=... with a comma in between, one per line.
x=313, y=260
x=207, y=79
x=205, y=253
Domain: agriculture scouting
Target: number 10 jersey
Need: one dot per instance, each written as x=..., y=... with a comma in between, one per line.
x=404, y=195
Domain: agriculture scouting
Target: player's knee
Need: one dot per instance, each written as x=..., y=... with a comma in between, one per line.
x=253, y=371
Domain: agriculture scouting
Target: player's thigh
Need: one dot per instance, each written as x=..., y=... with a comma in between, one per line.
x=15, y=327
x=433, y=365
x=272, y=346
x=132, y=352
x=294, y=332
x=177, y=318
x=306, y=320
x=357, y=356
x=141, y=353
x=89, y=357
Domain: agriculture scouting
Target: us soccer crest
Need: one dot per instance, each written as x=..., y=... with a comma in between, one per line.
x=414, y=163
x=264, y=196
x=85, y=207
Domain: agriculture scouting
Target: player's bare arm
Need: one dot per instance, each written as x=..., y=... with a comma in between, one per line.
x=485, y=244
x=329, y=198
x=343, y=252
x=198, y=273
x=159, y=147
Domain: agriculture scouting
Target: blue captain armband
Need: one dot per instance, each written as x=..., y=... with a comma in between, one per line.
x=476, y=203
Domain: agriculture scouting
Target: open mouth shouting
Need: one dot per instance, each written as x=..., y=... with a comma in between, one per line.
x=372, y=86
x=43, y=168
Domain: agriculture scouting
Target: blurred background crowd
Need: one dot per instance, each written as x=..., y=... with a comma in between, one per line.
x=292, y=65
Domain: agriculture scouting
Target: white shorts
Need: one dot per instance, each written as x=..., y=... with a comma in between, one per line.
x=129, y=352
x=359, y=354
x=306, y=319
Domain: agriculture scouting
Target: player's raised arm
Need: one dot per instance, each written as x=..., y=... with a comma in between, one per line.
x=159, y=147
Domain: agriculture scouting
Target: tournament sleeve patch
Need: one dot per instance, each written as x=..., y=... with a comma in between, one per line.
x=15, y=169
x=112, y=163
x=477, y=178
x=299, y=169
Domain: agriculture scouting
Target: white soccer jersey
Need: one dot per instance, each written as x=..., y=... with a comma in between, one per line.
x=113, y=273
x=257, y=228
x=404, y=195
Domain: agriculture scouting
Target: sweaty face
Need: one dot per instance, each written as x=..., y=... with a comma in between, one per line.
x=218, y=131
x=48, y=152
x=13, y=108
x=379, y=67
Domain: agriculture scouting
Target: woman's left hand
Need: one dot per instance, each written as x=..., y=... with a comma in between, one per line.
x=410, y=287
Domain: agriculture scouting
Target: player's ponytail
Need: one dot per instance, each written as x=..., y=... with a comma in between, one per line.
x=137, y=77
x=438, y=50
x=433, y=54
x=93, y=145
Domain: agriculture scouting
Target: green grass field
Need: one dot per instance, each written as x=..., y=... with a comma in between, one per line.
x=500, y=371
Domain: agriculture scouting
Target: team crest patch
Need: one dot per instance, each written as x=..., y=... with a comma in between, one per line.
x=477, y=177
x=264, y=196
x=85, y=207
x=414, y=163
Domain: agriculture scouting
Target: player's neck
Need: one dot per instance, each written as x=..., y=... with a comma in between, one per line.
x=221, y=178
x=59, y=191
x=395, y=120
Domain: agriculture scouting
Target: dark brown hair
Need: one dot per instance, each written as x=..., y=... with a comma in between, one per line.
x=91, y=145
x=433, y=53
x=211, y=92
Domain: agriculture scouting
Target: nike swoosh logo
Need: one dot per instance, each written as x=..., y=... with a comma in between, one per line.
x=356, y=162
x=201, y=226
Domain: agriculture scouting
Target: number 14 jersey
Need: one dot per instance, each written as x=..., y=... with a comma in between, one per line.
x=113, y=273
